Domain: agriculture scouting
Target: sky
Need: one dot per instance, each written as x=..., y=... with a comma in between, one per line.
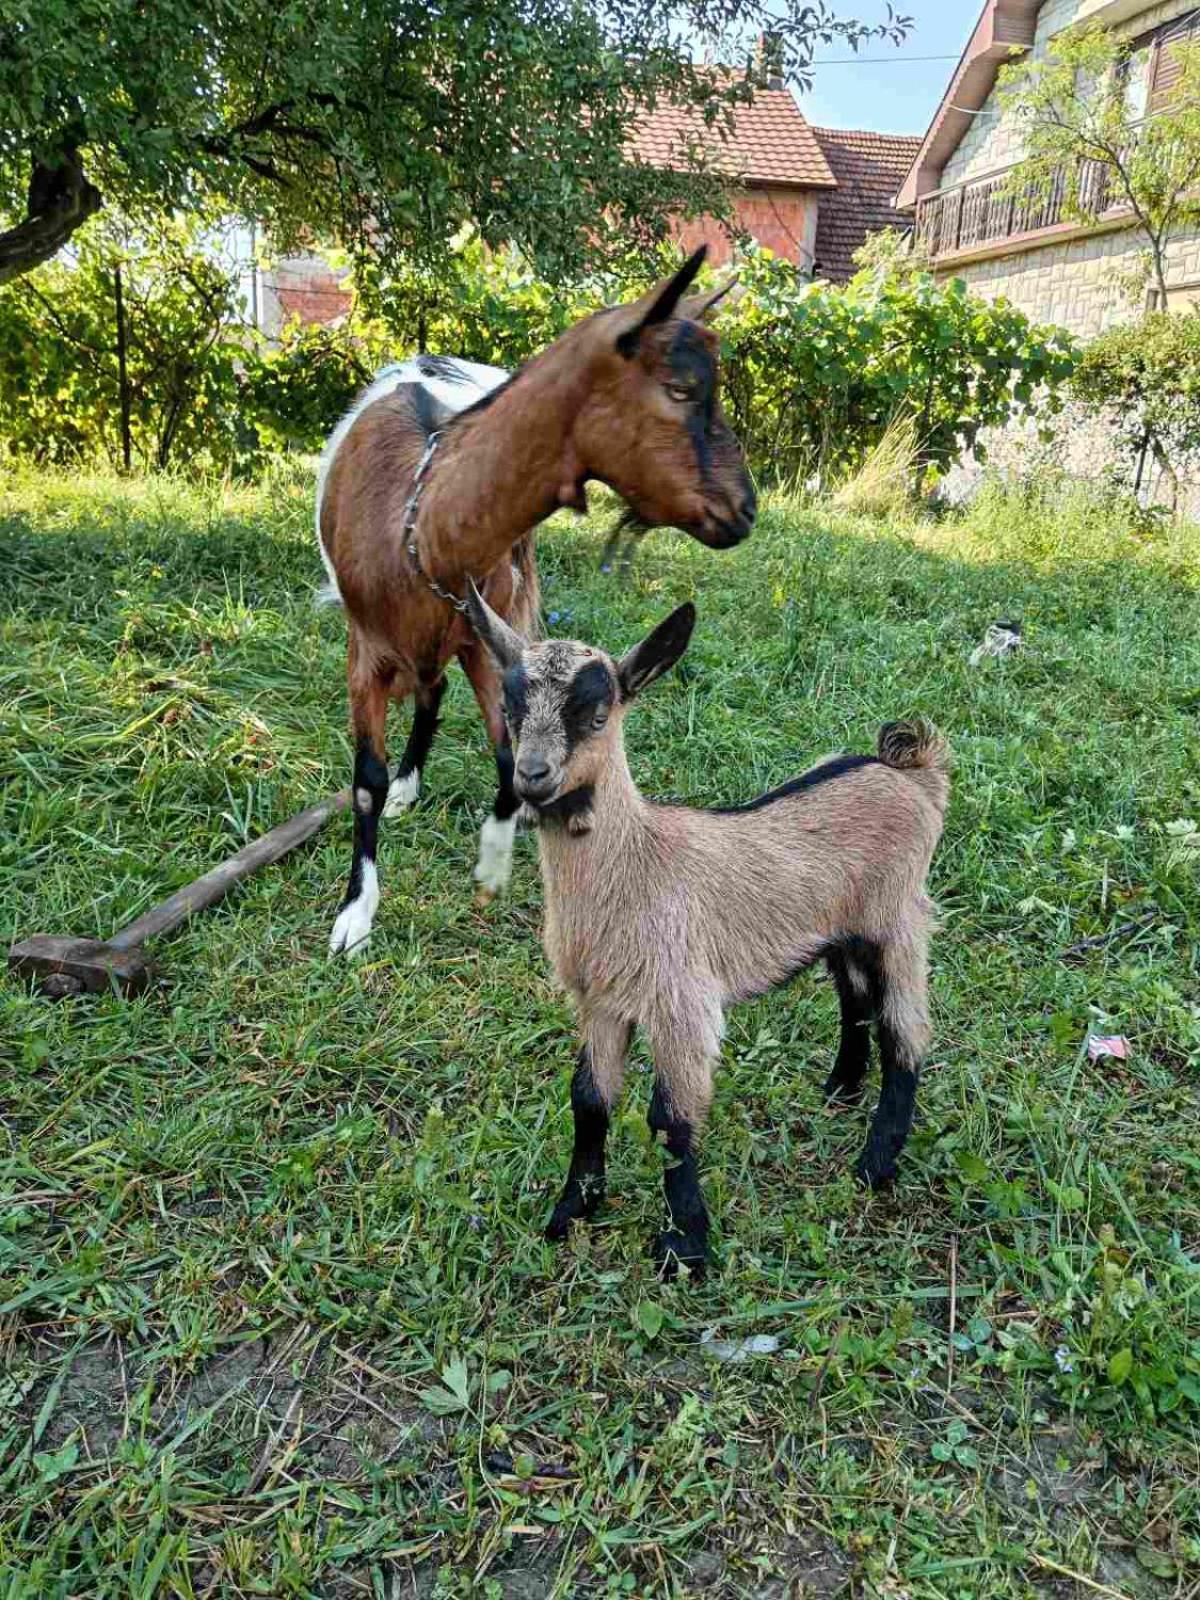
x=890, y=90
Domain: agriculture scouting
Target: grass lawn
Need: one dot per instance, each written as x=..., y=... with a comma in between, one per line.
x=276, y=1316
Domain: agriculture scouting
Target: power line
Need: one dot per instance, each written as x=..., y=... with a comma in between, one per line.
x=874, y=61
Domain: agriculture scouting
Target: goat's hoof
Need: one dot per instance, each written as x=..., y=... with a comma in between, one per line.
x=840, y=1092
x=874, y=1170
x=573, y=1207
x=672, y=1250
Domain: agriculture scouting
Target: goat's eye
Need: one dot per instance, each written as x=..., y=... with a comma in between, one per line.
x=683, y=392
x=599, y=718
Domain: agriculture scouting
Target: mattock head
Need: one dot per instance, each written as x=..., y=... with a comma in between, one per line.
x=69, y=966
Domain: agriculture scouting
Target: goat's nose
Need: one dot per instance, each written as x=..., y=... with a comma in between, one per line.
x=533, y=771
x=749, y=505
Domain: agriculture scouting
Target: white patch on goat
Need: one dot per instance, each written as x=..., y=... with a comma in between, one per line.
x=353, y=926
x=494, y=867
x=402, y=793
x=473, y=381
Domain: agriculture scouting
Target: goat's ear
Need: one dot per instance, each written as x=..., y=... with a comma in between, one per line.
x=658, y=305
x=697, y=307
x=657, y=653
x=505, y=646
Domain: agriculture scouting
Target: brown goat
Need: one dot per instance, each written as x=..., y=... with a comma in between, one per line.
x=413, y=502
x=663, y=916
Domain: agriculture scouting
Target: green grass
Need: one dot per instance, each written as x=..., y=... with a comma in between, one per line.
x=275, y=1312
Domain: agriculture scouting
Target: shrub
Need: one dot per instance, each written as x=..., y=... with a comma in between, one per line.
x=1144, y=379
x=60, y=389
x=816, y=372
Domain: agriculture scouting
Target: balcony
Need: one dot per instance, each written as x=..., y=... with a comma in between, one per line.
x=983, y=212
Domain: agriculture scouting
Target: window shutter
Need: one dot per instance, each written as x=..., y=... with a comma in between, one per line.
x=1166, y=62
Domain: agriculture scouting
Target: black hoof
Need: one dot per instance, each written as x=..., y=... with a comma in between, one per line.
x=576, y=1205
x=841, y=1091
x=875, y=1170
x=672, y=1250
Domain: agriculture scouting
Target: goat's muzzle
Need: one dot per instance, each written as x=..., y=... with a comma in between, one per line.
x=535, y=780
x=721, y=530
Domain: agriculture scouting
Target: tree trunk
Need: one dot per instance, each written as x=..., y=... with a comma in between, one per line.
x=1160, y=273
x=60, y=200
x=123, y=375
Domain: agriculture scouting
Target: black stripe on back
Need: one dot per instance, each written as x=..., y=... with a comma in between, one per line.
x=825, y=773
x=428, y=413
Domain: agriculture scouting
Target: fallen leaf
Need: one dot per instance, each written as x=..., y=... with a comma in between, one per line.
x=1115, y=1045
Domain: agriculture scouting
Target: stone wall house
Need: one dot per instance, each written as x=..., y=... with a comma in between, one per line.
x=1052, y=269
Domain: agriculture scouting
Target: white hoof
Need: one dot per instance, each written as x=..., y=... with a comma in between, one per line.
x=402, y=793
x=353, y=926
x=494, y=867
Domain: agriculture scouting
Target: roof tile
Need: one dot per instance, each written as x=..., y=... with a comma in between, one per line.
x=770, y=142
x=869, y=169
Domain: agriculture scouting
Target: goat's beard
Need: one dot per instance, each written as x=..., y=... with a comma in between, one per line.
x=621, y=545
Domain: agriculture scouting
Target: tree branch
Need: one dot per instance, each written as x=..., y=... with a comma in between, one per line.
x=60, y=201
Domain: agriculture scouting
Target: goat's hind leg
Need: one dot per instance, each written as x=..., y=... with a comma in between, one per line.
x=595, y=1089
x=683, y=1088
x=903, y=1029
x=368, y=715
x=406, y=785
x=852, y=968
x=494, y=866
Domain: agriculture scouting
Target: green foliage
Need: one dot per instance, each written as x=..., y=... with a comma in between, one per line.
x=1081, y=115
x=483, y=305
x=385, y=124
x=292, y=393
x=815, y=373
x=60, y=395
x=1144, y=379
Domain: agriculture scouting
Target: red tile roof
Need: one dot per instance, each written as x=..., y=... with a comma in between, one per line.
x=869, y=169
x=770, y=142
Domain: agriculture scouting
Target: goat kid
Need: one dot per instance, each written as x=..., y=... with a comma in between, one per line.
x=412, y=501
x=663, y=916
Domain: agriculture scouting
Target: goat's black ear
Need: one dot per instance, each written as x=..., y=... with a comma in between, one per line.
x=505, y=646
x=658, y=305
x=657, y=653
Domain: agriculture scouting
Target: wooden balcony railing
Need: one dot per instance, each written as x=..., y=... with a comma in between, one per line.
x=983, y=211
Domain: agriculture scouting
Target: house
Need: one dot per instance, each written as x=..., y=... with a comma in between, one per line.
x=1053, y=269
x=810, y=195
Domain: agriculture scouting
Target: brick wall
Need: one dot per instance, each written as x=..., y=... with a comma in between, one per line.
x=783, y=220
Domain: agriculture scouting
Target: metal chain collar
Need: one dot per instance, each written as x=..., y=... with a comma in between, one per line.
x=410, y=525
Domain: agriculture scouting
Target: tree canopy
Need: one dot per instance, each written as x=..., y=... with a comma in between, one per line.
x=382, y=124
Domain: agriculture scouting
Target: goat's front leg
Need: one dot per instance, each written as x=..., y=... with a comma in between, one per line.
x=595, y=1089
x=683, y=1088
x=368, y=714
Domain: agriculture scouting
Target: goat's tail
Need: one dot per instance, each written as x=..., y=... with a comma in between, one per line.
x=526, y=613
x=916, y=746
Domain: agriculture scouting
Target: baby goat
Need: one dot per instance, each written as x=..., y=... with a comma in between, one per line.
x=664, y=916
